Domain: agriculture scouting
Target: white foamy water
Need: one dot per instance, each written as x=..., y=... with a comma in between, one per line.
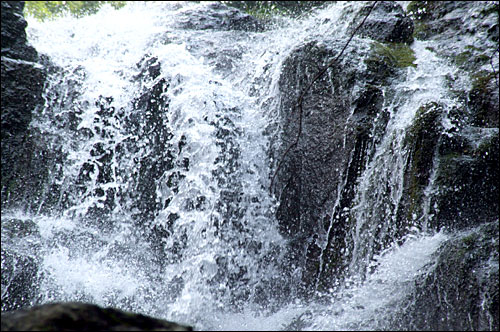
x=218, y=265
x=359, y=305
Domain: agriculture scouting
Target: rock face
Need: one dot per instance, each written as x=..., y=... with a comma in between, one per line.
x=19, y=266
x=388, y=23
x=217, y=16
x=344, y=119
x=468, y=152
x=22, y=82
x=460, y=290
x=73, y=316
x=335, y=144
x=22, y=159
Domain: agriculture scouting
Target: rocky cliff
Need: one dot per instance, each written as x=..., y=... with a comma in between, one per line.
x=452, y=149
x=23, y=79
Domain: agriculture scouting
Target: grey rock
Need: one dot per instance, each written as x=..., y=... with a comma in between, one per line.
x=332, y=149
x=74, y=316
x=459, y=290
x=21, y=93
x=387, y=23
x=217, y=16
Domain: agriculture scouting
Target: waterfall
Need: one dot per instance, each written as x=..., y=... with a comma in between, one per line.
x=380, y=187
x=157, y=200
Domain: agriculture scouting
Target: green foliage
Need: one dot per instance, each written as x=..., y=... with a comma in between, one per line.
x=43, y=10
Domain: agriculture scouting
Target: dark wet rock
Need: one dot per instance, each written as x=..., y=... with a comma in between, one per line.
x=387, y=23
x=21, y=94
x=22, y=78
x=448, y=19
x=333, y=148
x=421, y=141
x=466, y=153
x=217, y=16
x=13, y=32
x=19, y=278
x=468, y=183
x=467, y=32
x=343, y=119
x=459, y=291
x=20, y=265
x=74, y=316
x=484, y=99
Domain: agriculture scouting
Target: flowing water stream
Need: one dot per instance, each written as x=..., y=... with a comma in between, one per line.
x=162, y=204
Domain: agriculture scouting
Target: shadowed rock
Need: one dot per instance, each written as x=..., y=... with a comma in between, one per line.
x=217, y=16
x=388, y=23
x=73, y=316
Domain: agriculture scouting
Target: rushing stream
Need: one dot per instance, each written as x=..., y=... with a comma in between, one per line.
x=159, y=202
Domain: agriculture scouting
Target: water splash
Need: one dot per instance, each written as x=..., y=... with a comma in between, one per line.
x=160, y=203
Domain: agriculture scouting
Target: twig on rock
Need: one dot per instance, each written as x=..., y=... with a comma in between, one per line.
x=303, y=93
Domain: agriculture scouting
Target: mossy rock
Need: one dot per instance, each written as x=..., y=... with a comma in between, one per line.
x=396, y=54
x=468, y=186
x=385, y=61
x=483, y=99
x=420, y=10
x=459, y=289
x=421, y=141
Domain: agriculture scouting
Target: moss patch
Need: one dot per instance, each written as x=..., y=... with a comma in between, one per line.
x=396, y=54
x=421, y=139
x=418, y=10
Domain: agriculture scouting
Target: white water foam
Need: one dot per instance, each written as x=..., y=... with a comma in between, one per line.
x=115, y=266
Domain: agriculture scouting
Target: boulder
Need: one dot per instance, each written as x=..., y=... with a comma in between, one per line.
x=388, y=23
x=332, y=149
x=458, y=291
x=74, y=316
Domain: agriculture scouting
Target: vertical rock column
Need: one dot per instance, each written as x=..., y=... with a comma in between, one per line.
x=21, y=94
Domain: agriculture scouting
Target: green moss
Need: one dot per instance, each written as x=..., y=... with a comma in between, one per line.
x=420, y=30
x=473, y=48
x=418, y=10
x=481, y=79
x=463, y=58
x=265, y=12
x=421, y=139
x=468, y=58
x=395, y=54
x=470, y=240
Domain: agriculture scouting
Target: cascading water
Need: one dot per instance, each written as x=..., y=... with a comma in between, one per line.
x=158, y=201
x=381, y=187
